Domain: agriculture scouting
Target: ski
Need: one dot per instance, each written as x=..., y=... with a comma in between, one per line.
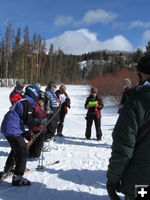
x=4, y=176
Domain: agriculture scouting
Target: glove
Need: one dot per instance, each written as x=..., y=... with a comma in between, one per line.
x=112, y=189
x=28, y=135
x=49, y=112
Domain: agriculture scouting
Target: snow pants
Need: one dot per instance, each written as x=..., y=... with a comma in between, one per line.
x=17, y=156
x=89, y=122
x=60, y=126
x=52, y=126
x=36, y=148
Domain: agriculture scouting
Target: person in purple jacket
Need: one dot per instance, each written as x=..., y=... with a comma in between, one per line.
x=19, y=116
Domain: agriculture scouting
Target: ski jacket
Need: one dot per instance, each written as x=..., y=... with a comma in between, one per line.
x=130, y=158
x=94, y=106
x=15, y=95
x=64, y=101
x=39, y=114
x=20, y=114
x=51, y=101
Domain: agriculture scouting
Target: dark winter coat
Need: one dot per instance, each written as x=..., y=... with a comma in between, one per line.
x=20, y=114
x=94, y=110
x=130, y=159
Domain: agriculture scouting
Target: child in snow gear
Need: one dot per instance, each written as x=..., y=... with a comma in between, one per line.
x=65, y=104
x=129, y=164
x=13, y=128
x=94, y=104
x=17, y=93
x=52, y=109
x=39, y=114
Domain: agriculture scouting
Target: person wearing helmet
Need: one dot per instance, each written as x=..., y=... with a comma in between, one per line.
x=65, y=104
x=17, y=92
x=94, y=104
x=129, y=164
x=13, y=128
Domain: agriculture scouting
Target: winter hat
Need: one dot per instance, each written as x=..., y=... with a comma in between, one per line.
x=51, y=83
x=19, y=83
x=143, y=64
x=32, y=91
x=93, y=90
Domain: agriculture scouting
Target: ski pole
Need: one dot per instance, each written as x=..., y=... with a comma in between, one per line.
x=37, y=135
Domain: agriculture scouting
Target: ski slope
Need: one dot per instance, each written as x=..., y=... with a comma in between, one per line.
x=81, y=173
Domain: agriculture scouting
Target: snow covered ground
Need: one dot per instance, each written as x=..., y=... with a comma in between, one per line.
x=81, y=173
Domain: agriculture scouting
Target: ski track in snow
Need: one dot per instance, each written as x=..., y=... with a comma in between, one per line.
x=81, y=173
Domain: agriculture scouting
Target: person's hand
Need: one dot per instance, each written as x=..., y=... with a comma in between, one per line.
x=112, y=189
x=87, y=106
x=49, y=112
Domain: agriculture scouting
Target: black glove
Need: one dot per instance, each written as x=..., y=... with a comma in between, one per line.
x=28, y=135
x=112, y=189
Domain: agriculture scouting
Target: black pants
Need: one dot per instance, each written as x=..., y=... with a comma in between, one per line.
x=97, y=121
x=18, y=155
x=36, y=147
x=52, y=126
x=60, y=126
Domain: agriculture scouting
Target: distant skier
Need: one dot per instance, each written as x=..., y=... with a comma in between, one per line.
x=17, y=92
x=65, y=104
x=94, y=104
x=127, y=90
x=20, y=114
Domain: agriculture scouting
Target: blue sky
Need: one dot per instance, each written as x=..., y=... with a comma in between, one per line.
x=81, y=26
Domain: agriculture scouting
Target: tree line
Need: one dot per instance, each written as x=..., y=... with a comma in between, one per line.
x=28, y=59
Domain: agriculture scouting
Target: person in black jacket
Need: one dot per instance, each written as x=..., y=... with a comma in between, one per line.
x=65, y=104
x=94, y=104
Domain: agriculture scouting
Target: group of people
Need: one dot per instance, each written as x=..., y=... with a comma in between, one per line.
x=33, y=114
x=129, y=164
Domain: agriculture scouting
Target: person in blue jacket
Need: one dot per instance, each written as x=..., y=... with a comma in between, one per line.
x=13, y=128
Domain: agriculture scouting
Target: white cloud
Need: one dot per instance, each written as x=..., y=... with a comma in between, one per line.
x=83, y=41
x=63, y=20
x=146, y=36
x=90, y=17
x=98, y=16
x=139, y=24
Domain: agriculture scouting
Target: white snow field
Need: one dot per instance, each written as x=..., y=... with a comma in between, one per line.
x=81, y=173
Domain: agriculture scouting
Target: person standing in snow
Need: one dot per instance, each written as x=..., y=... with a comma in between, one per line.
x=13, y=128
x=17, y=92
x=40, y=116
x=65, y=104
x=52, y=110
x=127, y=90
x=94, y=104
x=129, y=164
